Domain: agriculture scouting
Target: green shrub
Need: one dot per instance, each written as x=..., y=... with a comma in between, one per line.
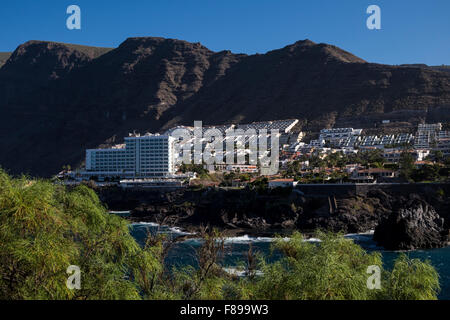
x=44, y=228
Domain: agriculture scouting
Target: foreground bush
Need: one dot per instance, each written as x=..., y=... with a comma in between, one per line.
x=44, y=228
x=338, y=269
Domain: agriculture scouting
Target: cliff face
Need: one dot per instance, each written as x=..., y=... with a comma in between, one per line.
x=34, y=64
x=32, y=125
x=317, y=82
x=417, y=225
x=57, y=99
x=144, y=77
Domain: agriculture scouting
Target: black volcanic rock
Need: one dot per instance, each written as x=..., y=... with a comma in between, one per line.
x=56, y=100
x=401, y=215
x=414, y=225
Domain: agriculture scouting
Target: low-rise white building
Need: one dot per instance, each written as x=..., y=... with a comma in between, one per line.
x=152, y=183
x=394, y=155
x=339, y=133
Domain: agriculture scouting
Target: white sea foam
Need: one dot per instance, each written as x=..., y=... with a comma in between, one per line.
x=163, y=228
x=365, y=239
x=363, y=236
x=313, y=240
x=120, y=212
x=143, y=224
x=246, y=239
x=179, y=231
x=368, y=233
x=239, y=272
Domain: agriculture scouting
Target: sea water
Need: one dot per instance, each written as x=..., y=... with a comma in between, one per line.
x=236, y=249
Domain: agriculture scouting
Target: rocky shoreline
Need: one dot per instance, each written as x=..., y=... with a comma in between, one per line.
x=403, y=217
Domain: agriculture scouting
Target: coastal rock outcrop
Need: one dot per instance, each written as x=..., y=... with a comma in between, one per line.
x=403, y=217
x=414, y=225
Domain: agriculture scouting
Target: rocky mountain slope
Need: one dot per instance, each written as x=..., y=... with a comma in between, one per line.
x=316, y=82
x=56, y=99
x=3, y=57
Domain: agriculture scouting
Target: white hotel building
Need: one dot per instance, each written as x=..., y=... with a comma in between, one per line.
x=147, y=156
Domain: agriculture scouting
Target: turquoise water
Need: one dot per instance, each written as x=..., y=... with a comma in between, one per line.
x=440, y=259
x=183, y=253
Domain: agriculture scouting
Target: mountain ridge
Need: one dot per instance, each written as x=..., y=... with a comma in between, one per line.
x=4, y=56
x=57, y=99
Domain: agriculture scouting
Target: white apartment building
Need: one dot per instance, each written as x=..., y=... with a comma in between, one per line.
x=249, y=135
x=443, y=145
x=385, y=140
x=394, y=155
x=427, y=135
x=338, y=137
x=140, y=156
x=431, y=127
x=338, y=133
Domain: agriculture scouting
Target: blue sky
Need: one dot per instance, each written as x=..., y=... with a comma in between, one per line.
x=413, y=31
